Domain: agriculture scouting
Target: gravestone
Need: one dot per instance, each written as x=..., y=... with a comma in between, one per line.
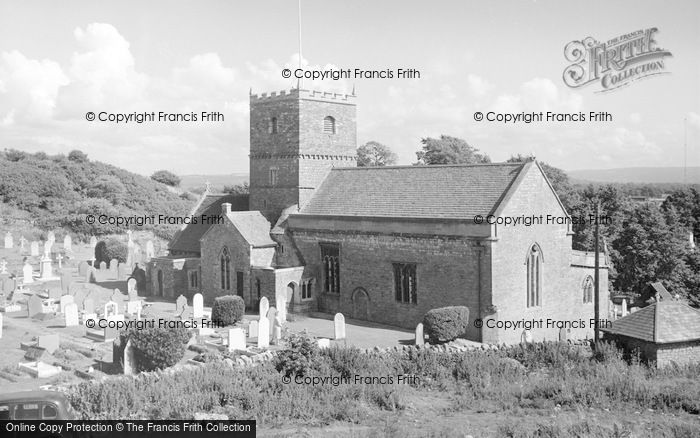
x=281, y=304
x=197, y=306
x=3, y=266
x=66, y=280
x=70, y=315
x=271, y=315
x=253, y=329
x=89, y=305
x=526, y=337
x=65, y=300
x=133, y=296
x=82, y=268
x=129, y=364
x=22, y=242
x=180, y=305
x=34, y=306
x=131, y=286
x=324, y=343
x=67, y=244
x=277, y=330
x=263, y=332
x=236, y=339
x=339, y=326
x=27, y=273
x=150, y=252
x=114, y=268
x=48, y=342
x=51, y=237
x=264, y=306
x=103, y=266
x=91, y=275
x=110, y=309
x=93, y=242
x=420, y=339
x=133, y=307
x=34, y=249
x=9, y=242
x=624, y=307
x=117, y=296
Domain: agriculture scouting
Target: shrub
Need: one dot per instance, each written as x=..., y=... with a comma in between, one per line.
x=156, y=348
x=78, y=156
x=109, y=249
x=166, y=177
x=300, y=358
x=228, y=309
x=446, y=323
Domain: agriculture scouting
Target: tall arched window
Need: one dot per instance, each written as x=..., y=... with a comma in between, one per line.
x=225, y=269
x=329, y=125
x=534, y=276
x=588, y=290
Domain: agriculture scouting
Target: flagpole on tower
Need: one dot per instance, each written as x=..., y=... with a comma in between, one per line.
x=300, y=57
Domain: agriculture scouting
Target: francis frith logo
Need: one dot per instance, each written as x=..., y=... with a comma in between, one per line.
x=616, y=62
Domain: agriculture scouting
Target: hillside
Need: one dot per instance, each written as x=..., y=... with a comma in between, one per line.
x=647, y=175
x=51, y=192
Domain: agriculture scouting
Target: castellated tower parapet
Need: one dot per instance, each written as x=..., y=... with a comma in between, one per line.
x=296, y=137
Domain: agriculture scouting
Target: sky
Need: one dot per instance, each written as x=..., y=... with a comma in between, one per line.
x=60, y=60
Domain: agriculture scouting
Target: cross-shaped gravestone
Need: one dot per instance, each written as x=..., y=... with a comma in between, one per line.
x=59, y=258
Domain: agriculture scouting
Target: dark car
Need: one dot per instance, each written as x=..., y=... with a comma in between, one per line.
x=35, y=405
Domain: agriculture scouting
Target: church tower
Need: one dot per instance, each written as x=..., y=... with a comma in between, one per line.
x=296, y=137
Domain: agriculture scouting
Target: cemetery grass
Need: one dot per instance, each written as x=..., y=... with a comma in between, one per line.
x=539, y=390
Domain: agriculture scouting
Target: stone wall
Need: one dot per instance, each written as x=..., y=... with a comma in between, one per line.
x=213, y=242
x=174, y=276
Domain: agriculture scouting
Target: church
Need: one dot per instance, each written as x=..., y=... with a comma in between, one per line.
x=381, y=244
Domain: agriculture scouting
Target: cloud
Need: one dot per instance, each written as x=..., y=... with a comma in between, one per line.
x=478, y=86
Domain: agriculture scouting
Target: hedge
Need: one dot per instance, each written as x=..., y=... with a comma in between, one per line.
x=228, y=309
x=445, y=324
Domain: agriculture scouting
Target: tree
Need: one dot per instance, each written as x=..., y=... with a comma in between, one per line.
x=373, y=154
x=108, y=187
x=238, y=189
x=166, y=177
x=77, y=156
x=686, y=203
x=449, y=150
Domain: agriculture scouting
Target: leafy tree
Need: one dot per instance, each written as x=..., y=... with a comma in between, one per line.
x=108, y=187
x=14, y=155
x=374, y=153
x=166, y=177
x=238, y=189
x=109, y=249
x=78, y=156
x=449, y=150
x=686, y=203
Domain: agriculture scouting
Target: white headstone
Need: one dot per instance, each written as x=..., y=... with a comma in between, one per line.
x=253, y=329
x=339, y=325
x=263, y=332
x=131, y=286
x=46, y=268
x=93, y=242
x=281, y=304
x=624, y=307
x=70, y=314
x=27, y=273
x=420, y=339
x=526, y=337
x=111, y=309
x=264, y=306
x=133, y=307
x=67, y=243
x=129, y=362
x=236, y=339
x=277, y=330
x=9, y=242
x=65, y=300
x=197, y=306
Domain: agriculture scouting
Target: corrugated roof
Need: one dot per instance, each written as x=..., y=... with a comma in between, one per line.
x=662, y=322
x=187, y=240
x=450, y=191
x=253, y=226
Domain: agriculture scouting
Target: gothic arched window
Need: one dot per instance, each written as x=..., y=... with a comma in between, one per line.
x=534, y=276
x=588, y=290
x=329, y=125
x=225, y=269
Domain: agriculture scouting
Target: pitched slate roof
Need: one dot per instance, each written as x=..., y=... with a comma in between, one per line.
x=187, y=239
x=253, y=226
x=448, y=191
x=662, y=322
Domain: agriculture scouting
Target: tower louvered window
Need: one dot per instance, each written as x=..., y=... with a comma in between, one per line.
x=329, y=125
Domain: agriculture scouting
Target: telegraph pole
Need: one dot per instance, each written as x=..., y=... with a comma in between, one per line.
x=596, y=277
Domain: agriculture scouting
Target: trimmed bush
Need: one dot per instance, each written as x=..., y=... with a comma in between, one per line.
x=156, y=348
x=445, y=324
x=109, y=249
x=228, y=309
